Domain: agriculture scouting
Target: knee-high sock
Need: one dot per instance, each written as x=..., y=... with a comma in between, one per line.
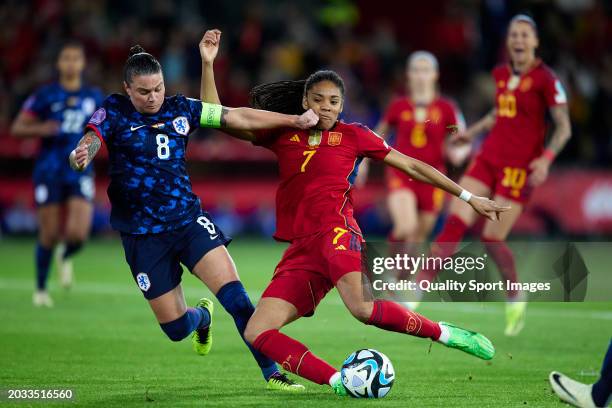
x=235, y=300
x=602, y=389
x=444, y=245
x=293, y=356
x=504, y=259
x=391, y=316
x=72, y=248
x=194, y=318
x=43, y=263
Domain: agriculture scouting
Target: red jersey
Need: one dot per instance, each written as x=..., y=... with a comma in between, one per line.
x=317, y=171
x=421, y=130
x=521, y=103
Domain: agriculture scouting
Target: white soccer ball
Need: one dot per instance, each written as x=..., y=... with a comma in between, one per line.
x=367, y=373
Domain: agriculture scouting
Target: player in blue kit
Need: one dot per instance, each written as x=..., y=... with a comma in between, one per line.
x=160, y=220
x=56, y=113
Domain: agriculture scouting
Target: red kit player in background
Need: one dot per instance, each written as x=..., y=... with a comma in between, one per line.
x=514, y=158
x=315, y=214
x=422, y=120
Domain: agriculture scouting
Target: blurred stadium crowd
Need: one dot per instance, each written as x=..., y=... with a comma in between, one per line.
x=366, y=42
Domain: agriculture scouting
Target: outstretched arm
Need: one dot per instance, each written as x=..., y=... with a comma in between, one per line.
x=85, y=151
x=27, y=125
x=424, y=172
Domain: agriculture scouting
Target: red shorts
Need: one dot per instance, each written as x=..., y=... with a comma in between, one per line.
x=312, y=265
x=505, y=180
x=429, y=198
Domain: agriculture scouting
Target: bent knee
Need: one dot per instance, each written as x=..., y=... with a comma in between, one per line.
x=405, y=232
x=362, y=311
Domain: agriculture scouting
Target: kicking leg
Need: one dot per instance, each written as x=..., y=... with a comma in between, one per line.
x=391, y=316
x=263, y=333
x=217, y=270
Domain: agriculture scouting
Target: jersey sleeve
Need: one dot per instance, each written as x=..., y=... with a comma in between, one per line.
x=200, y=114
x=369, y=144
x=554, y=92
x=391, y=115
x=102, y=120
x=36, y=105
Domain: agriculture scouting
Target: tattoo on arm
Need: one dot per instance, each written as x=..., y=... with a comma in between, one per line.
x=224, y=113
x=562, y=131
x=94, y=143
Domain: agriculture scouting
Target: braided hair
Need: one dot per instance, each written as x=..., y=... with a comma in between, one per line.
x=286, y=96
x=140, y=62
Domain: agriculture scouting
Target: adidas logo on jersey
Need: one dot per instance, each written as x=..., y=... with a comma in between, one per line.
x=295, y=138
x=340, y=248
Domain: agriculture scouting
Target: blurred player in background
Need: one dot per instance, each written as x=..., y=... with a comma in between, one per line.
x=315, y=215
x=161, y=222
x=514, y=158
x=422, y=121
x=586, y=395
x=57, y=113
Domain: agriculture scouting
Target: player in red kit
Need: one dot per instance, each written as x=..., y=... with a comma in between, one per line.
x=422, y=121
x=514, y=158
x=315, y=214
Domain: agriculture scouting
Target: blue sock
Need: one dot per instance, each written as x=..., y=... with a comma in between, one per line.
x=194, y=318
x=236, y=301
x=602, y=389
x=72, y=248
x=43, y=263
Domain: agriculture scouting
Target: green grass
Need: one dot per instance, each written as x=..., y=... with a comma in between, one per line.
x=102, y=341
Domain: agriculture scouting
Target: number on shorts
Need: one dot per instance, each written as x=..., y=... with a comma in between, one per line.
x=339, y=233
x=163, y=150
x=515, y=179
x=208, y=224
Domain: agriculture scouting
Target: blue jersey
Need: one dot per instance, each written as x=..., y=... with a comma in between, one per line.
x=150, y=190
x=71, y=109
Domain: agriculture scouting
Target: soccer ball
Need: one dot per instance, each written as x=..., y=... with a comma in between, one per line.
x=367, y=373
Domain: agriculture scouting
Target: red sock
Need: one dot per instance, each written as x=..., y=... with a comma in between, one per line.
x=391, y=316
x=293, y=356
x=504, y=259
x=444, y=245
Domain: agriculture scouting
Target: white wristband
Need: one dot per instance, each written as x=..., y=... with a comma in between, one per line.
x=465, y=195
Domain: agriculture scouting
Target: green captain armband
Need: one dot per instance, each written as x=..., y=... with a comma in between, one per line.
x=211, y=115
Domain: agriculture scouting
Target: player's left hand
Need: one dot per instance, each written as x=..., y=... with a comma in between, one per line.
x=539, y=171
x=209, y=45
x=79, y=157
x=487, y=208
x=307, y=120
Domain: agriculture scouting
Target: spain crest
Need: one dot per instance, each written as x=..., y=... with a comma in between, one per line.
x=334, y=138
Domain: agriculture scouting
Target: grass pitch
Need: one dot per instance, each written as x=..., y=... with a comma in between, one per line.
x=102, y=341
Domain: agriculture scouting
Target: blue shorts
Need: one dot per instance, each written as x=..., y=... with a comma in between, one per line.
x=155, y=259
x=50, y=191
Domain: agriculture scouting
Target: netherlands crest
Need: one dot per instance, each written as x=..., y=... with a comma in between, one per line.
x=142, y=279
x=181, y=125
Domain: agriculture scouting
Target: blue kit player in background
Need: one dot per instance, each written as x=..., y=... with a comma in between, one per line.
x=160, y=219
x=57, y=113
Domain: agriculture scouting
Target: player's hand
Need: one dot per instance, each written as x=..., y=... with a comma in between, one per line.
x=49, y=128
x=457, y=138
x=209, y=45
x=487, y=208
x=307, y=120
x=79, y=157
x=539, y=171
